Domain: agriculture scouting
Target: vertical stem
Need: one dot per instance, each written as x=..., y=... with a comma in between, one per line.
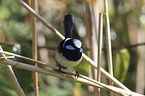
x=88, y=25
x=13, y=77
x=140, y=72
x=93, y=39
x=100, y=35
x=108, y=41
x=34, y=47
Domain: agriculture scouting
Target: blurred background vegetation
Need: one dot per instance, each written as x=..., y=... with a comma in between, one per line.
x=127, y=21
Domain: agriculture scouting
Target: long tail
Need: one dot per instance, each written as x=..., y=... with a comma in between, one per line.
x=68, y=25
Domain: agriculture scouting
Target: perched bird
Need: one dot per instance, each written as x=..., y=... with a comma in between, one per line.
x=69, y=51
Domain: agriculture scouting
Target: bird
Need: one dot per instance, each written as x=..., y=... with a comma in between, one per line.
x=69, y=50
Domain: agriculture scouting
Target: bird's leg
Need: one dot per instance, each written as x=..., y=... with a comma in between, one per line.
x=77, y=73
x=59, y=67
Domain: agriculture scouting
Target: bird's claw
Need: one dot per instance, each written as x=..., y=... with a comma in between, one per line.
x=59, y=68
x=77, y=74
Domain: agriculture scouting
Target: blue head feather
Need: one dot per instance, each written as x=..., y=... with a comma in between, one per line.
x=81, y=49
x=70, y=47
x=77, y=43
x=66, y=41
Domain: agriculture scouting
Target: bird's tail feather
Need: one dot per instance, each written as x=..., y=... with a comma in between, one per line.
x=68, y=25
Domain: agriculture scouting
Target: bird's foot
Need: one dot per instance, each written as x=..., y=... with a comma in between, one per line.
x=77, y=73
x=59, y=69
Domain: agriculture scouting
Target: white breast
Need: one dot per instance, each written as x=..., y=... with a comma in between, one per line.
x=64, y=62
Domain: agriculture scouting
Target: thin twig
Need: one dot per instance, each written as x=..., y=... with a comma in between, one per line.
x=12, y=76
x=69, y=77
x=127, y=46
x=86, y=58
x=100, y=33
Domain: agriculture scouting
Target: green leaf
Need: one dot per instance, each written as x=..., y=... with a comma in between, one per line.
x=122, y=64
x=5, y=13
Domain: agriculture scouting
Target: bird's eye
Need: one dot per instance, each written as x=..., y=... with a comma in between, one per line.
x=77, y=43
x=70, y=47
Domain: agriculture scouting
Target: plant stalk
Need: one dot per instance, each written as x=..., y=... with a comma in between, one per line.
x=108, y=42
x=34, y=47
x=100, y=35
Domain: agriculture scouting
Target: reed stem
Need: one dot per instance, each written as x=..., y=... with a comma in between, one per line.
x=100, y=35
x=34, y=47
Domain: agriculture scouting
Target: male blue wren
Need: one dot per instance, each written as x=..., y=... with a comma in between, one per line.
x=69, y=51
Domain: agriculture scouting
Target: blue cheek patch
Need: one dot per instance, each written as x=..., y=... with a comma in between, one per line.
x=81, y=49
x=77, y=43
x=70, y=47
